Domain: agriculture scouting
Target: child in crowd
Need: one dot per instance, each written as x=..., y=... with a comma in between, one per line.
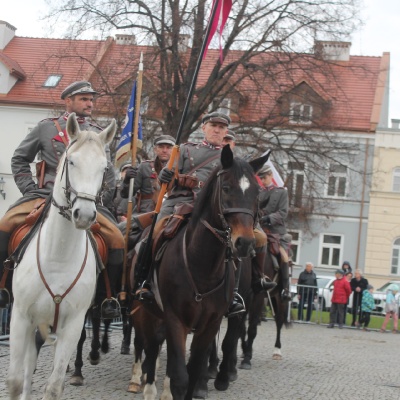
x=367, y=306
x=391, y=308
x=340, y=296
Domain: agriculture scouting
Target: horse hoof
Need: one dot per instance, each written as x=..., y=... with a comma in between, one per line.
x=93, y=361
x=135, y=388
x=212, y=373
x=245, y=365
x=277, y=357
x=125, y=349
x=200, y=394
x=221, y=385
x=232, y=376
x=76, y=381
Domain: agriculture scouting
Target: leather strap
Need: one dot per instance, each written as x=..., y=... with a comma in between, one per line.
x=61, y=133
x=58, y=298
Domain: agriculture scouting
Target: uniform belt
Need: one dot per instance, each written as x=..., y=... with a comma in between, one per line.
x=145, y=196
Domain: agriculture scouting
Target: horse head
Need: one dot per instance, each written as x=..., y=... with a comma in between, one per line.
x=235, y=198
x=80, y=176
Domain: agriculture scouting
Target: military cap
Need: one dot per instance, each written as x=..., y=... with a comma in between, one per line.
x=230, y=135
x=78, y=87
x=266, y=169
x=216, y=117
x=164, y=139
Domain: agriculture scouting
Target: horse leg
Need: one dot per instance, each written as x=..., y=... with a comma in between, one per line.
x=77, y=377
x=127, y=332
x=21, y=331
x=166, y=394
x=176, y=349
x=227, y=369
x=64, y=347
x=151, y=351
x=94, y=355
x=214, y=361
x=199, y=353
x=254, y=315
x=135, y=383
x=105, y=347
x=201, y=388
x=279, y=320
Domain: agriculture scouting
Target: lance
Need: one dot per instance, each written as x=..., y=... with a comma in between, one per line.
x=139, y=81
x=145, y=260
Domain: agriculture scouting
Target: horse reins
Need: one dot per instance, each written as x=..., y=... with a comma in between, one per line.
x=57, y=298
x=224, y=236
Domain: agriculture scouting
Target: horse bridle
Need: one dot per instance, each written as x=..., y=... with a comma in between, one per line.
x=97, y=199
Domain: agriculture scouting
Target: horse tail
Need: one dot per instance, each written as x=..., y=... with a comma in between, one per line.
x=47, y=337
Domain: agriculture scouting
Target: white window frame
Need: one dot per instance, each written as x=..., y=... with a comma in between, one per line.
x=299, y=117
x=296, y=242
x=52, y=81
x=224, y=106
x=330, y=246
x=337, y=175
x=396, y=246
x=396, y=180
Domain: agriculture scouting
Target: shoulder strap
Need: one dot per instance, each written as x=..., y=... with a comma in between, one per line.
x=61, y=133
x=214, y=157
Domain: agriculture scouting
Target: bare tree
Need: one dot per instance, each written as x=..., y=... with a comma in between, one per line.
x=268, y=58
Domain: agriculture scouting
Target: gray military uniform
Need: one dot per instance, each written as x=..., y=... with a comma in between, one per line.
x=45, y=141
x=146, y=184
x=274, y=202
x=191, y=156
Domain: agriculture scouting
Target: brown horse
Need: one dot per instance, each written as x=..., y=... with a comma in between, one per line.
x=194, y=280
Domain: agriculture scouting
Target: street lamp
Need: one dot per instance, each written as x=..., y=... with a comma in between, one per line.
x=2, y=183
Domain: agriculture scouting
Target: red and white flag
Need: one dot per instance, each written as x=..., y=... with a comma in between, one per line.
x=219, y=21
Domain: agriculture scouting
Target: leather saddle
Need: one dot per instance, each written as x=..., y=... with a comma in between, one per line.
x=21, y=231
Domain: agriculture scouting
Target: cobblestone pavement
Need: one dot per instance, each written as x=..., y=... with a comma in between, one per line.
x=318, y=363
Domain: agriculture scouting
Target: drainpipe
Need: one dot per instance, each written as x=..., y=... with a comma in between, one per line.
x=362, y=204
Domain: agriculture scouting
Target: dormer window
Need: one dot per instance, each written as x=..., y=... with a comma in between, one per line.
x=52, y=81
x=300, y=113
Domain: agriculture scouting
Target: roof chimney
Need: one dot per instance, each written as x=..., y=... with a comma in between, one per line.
x=332, y=51
x=123, y=38
x=7, y=32
x=395, y=123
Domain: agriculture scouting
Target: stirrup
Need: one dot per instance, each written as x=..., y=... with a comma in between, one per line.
x=107, y=309
x=237, y=306
x=4, y=298
x=144, y=292
x=285, y=295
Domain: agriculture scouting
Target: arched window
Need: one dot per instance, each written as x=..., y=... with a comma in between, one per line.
x=396, y=180
x=395, y=269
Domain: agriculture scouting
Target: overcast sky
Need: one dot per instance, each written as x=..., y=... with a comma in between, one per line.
x=381, y=33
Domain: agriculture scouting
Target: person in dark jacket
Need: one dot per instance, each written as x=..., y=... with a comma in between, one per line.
x=346, y=267
x=307, y=290
x=358, y=285
x=340, y=296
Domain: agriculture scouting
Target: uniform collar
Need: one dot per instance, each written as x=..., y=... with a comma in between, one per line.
x=211, y=146
x=80, y=120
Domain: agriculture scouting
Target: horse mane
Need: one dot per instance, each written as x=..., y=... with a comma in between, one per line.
x=238, y=168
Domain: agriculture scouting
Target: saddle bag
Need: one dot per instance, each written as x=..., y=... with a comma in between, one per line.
x=181, y=214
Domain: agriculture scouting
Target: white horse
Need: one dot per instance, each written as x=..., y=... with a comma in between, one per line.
x=55, y=281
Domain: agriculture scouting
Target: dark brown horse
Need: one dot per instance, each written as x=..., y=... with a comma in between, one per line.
x=280, y=311
x=194, y=281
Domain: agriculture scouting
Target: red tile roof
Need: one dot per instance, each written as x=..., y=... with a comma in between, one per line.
x=353, y=89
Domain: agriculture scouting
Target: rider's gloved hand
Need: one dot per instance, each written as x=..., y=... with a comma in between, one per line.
x=166, y=175
x=265, y=220
x=131, y=173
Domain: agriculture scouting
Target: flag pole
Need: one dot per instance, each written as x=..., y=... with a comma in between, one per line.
x=175, y=150
x=139, y=82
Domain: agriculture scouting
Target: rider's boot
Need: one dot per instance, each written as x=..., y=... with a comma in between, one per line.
x=259, y=282
x=5, y=287
x=142, y=288
x=237, y=305
x=110, y=308
x=284, y=269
